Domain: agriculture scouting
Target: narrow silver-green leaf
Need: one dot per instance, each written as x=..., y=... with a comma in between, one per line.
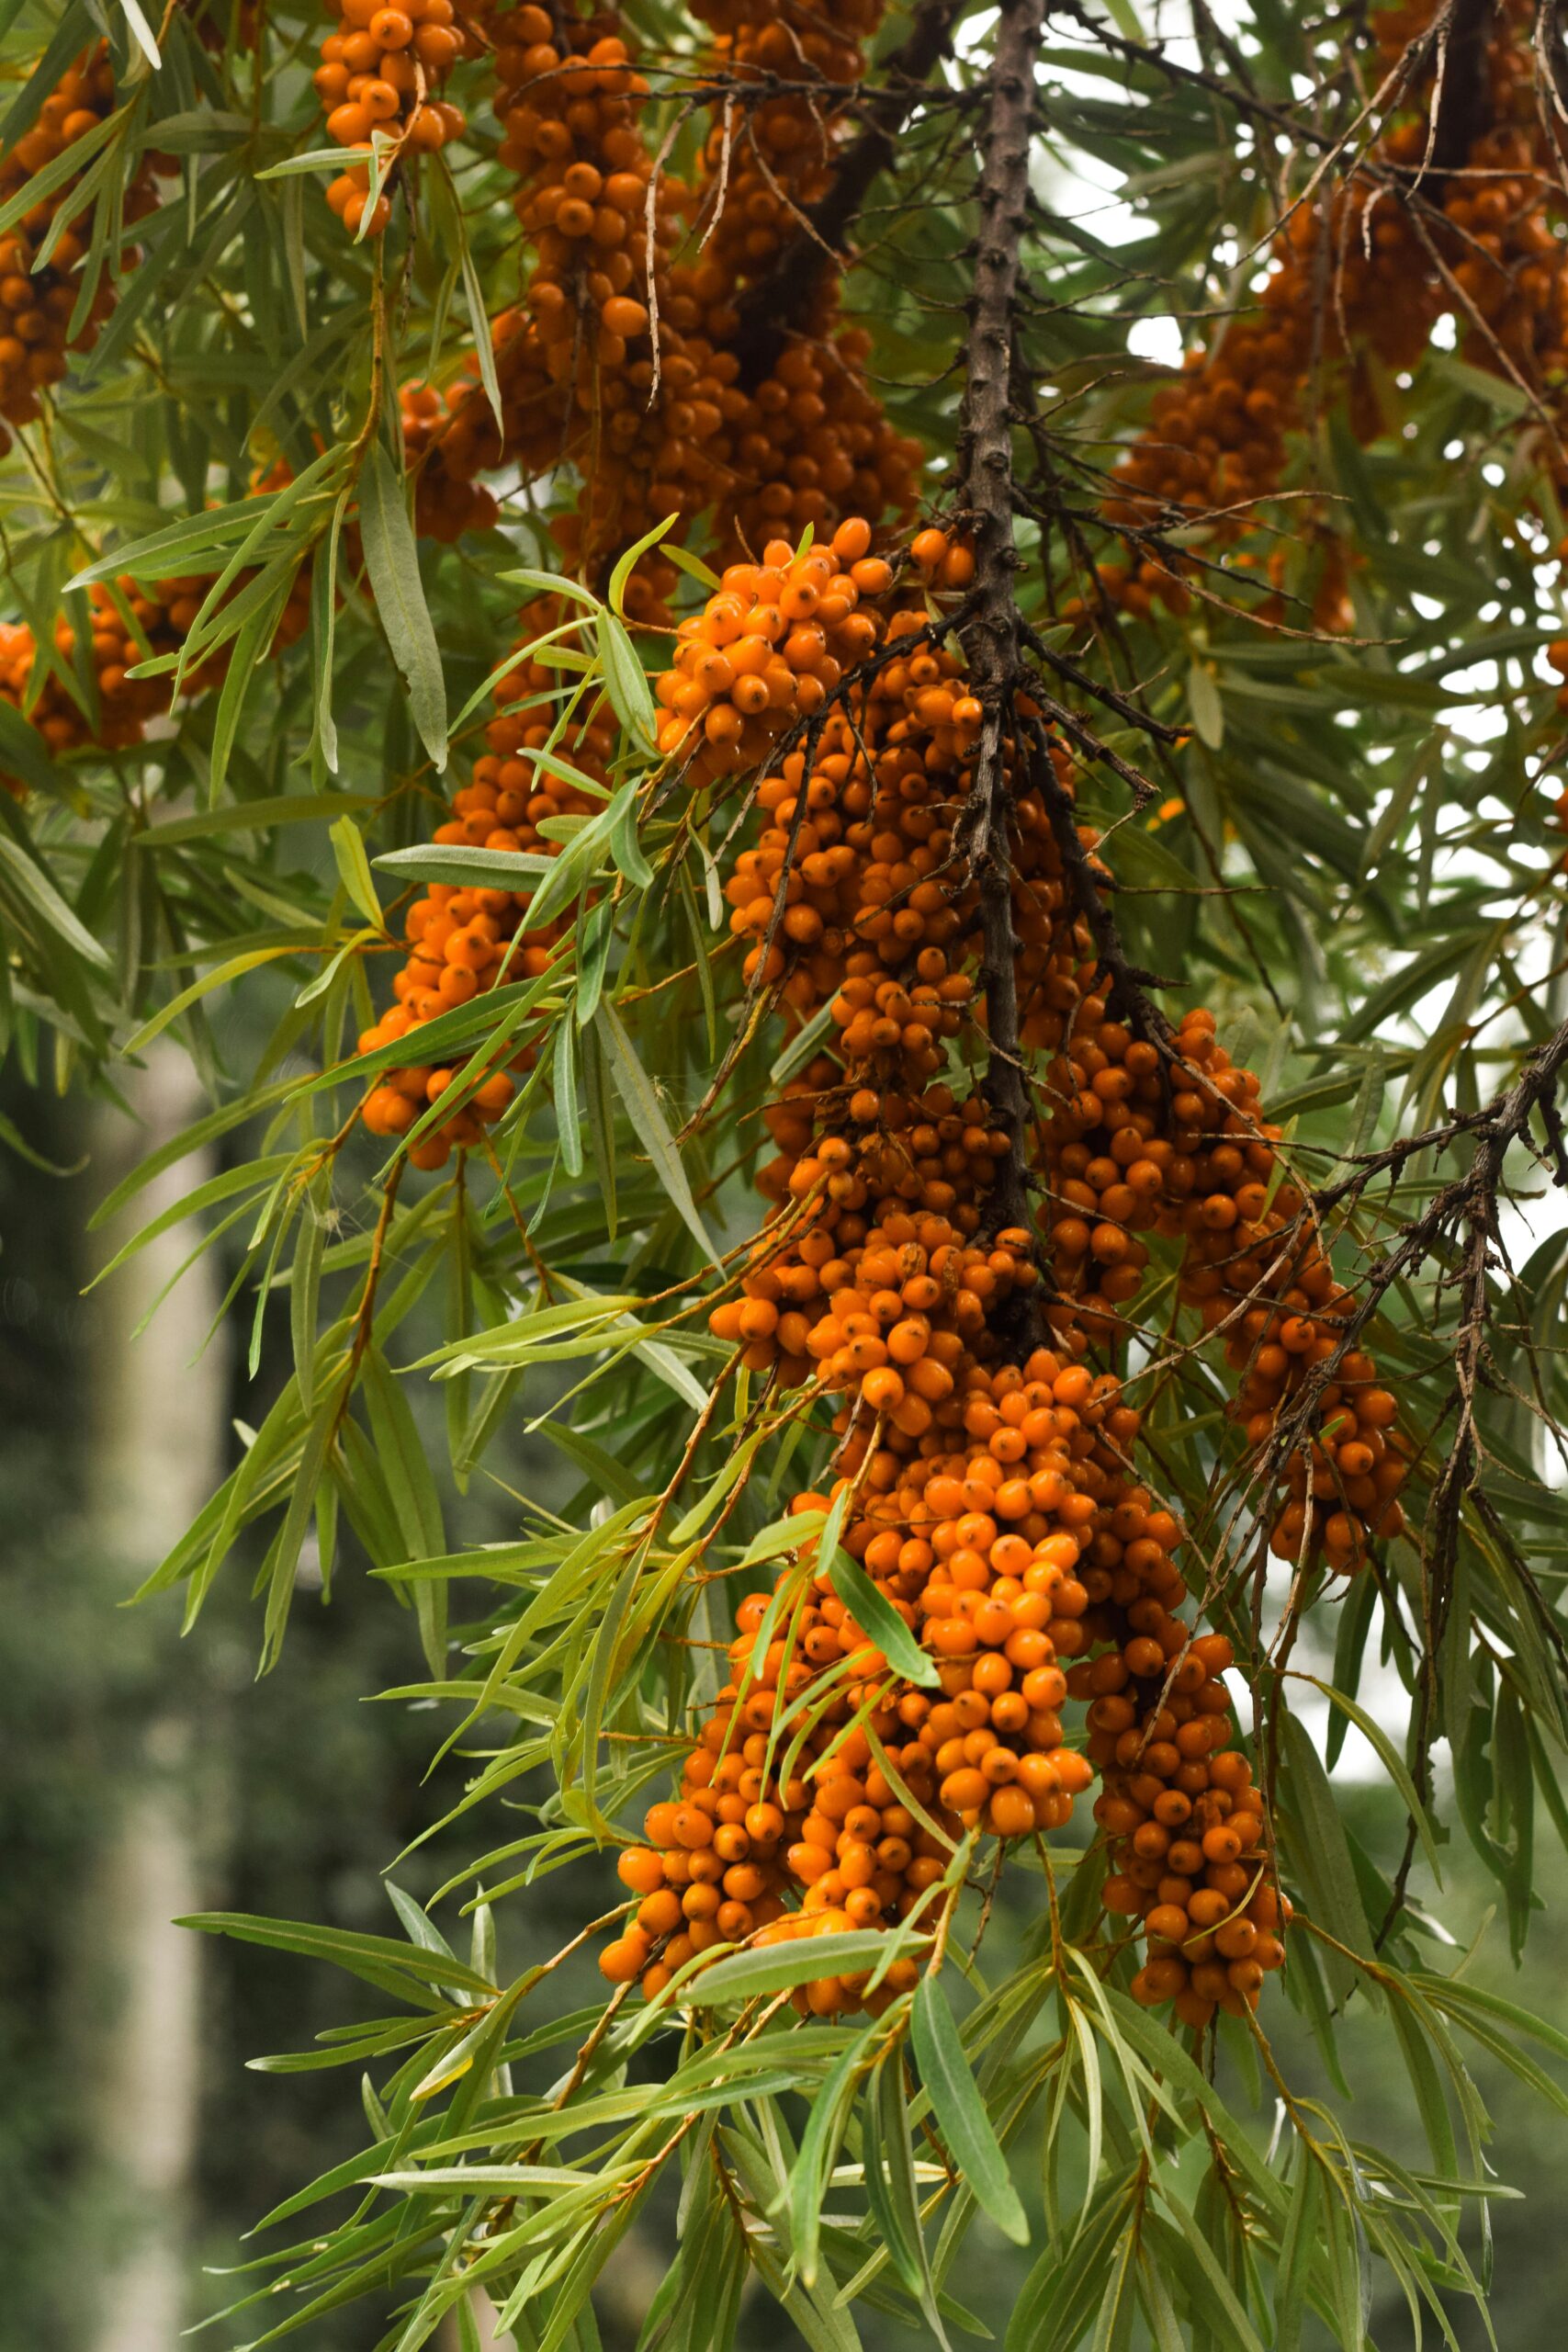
x=392, y=557
x=960, y=2112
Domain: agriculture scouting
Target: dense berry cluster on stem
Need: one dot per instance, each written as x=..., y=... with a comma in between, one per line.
x=381, y=70
x=40, y=298
x=463, y=941
x=1356, y=283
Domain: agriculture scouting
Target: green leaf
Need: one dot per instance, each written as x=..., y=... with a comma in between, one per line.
x=878, y=1617
x=642, y=1104
x=1203, y=702
x=15, y=1141
x=808, y=2181
x=626, y=681
x=391, y=556
x=777, y=1968
x=1508, y=399
x=1321, y=1854
x=552, y=583
x=1297, y=2252
x=24, y=753
x=624, y=847
x=376, y=1955
x=693, y=567
x=219, y=978
x=960, y=2112
x=485, y=869
x=568, y=1124
x=1192, y=2257
x=353, y=868
x=35, y=887
x=626, y=564
x=1393, y=1764
x=142, y=33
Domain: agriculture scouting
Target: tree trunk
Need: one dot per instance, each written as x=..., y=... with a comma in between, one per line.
x=157, y=1417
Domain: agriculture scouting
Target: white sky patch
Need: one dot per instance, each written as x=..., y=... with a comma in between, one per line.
x=1157, y=339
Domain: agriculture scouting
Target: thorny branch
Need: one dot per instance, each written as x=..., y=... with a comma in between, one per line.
x=991, y=637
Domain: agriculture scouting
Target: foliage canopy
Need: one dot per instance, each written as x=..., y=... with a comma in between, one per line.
x=380, y=577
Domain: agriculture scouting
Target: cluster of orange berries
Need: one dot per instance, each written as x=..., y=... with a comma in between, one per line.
x=717, y=1857
x=574, y=361
x=994, y=1507
x=870, y=1263
x=677, y=432
x=1142, y=1138
x=379, y=72
x=866, y=871
x=444, y=507
x=879, y=1277
x=885, y=1304
x=462, y=941
x=1357, y=281
x=769, y=648
x=1505, y=216
x=813, y=442
x=779, y=144
x=37, y=305
x=975, y=1545
x=130, y=625
x=1028, y=1545
x=569, y=130
x=1189, y=1832
x=1494, y=256
x=1216, y=442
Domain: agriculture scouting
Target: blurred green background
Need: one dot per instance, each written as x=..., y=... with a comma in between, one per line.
x=148, y=1776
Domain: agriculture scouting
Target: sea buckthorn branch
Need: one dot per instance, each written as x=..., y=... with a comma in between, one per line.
x=770, y=307
x=990, y=634
x=961, y=1792
x=1171, y=1967
x=648, y=401
x=893, y=1388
